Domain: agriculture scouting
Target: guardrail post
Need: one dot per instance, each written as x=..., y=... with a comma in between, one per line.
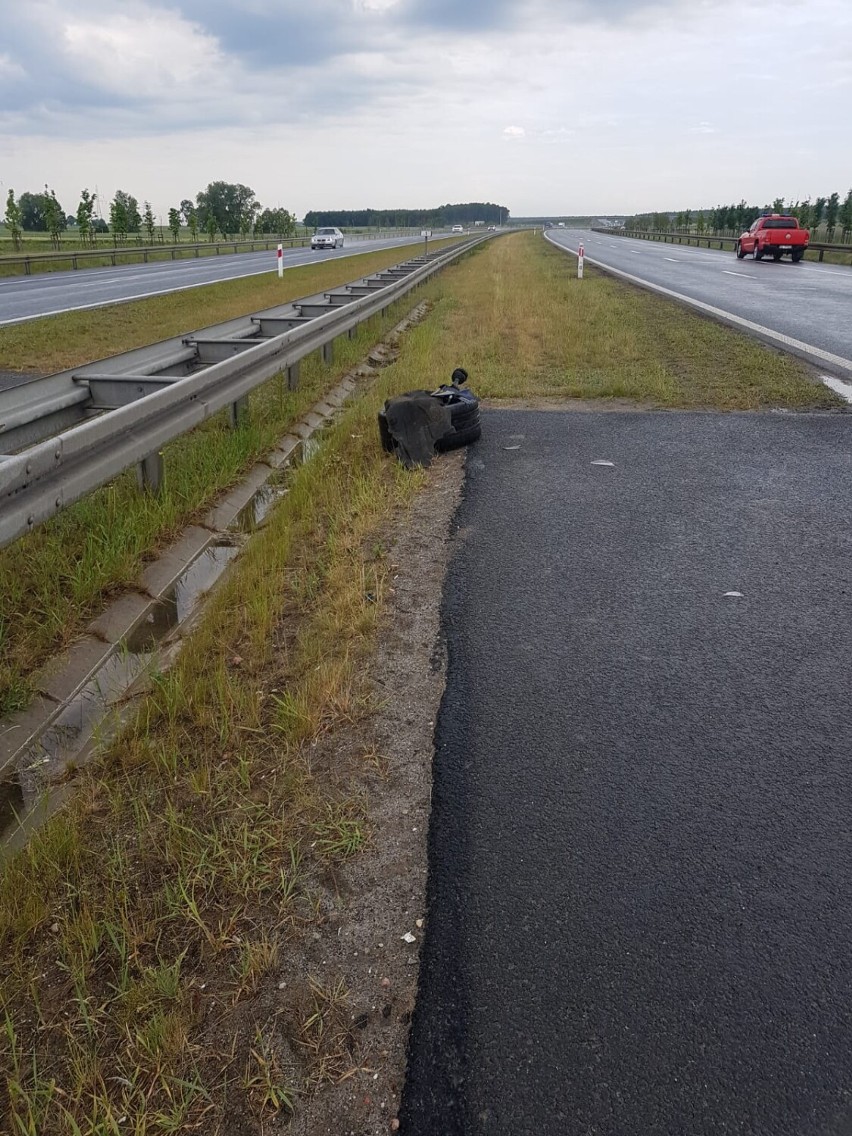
x=328, y=352
x=238, y=412
x=149, y=473
x=293, y=377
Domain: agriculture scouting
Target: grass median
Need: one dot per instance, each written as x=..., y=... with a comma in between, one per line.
x=198, y=849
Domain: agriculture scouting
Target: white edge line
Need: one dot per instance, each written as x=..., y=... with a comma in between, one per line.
x=167, y=291
x=796, y=346
x=838, y=386
x=130, y=299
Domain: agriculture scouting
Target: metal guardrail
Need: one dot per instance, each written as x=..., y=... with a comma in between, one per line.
x=710, y=239
x=133, y=253
x=149, y=400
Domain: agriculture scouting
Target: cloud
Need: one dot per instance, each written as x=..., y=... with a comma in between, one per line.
x=152, y=53
x=9, y=69
x=408, y=100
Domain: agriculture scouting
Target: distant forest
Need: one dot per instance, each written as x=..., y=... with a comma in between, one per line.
x=468, y=214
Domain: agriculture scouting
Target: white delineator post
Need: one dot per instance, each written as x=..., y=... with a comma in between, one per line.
x=280, y=261
x=581, y=252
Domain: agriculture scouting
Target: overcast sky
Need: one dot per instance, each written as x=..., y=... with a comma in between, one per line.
x=546, y=106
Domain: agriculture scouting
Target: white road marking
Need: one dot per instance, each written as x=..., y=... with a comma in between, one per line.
x=742, y=275
x=788, y=341
x=130, y=299
x=309, y=258
x=838, y=386
x=671, y=260
x=828, y=272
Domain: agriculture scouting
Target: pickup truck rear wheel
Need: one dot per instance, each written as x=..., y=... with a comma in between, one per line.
x=776, y=256
x=739, y=251
x=797, y=255
x=758, y=252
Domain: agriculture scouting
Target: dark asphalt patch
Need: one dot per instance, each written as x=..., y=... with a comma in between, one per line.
x=640, y=896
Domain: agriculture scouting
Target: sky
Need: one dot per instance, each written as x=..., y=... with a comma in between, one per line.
x=562, y=107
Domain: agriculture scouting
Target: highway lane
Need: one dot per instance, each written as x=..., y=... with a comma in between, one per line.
x=809, y=303
x=28, y=297
x=639, y=914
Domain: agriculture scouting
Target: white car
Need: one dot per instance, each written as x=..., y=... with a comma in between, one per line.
x=327, y=239
x=457, y=229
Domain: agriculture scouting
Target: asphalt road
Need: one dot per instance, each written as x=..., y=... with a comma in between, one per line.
x=640, y=894
x=810, y=303
x=28, y=297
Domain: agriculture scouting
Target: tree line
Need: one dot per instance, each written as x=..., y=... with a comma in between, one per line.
x=223, y=207
x=828, y=213
x=467, y=214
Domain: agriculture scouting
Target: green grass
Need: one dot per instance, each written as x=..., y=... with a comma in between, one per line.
x=144, y=924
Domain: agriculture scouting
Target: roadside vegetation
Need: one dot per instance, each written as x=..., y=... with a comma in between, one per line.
x=142, y=929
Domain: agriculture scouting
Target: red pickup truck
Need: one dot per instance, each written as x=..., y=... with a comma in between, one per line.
x=774, y=236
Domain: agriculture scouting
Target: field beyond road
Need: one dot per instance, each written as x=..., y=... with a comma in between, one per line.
x=170, y=939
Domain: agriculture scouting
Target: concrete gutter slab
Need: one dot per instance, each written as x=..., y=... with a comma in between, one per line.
x=160, y=576
x=120, y=618
x=64, y=675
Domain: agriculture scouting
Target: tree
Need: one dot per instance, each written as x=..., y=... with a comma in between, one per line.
x=124, y=214
x=13, y=220
x=174, y=223
x=32, y=212
x=118, y=216
x=190, y=218
x=687, y=219
x=846, y=216
x=228, y=205
x=778, y=205
x=99, y=225
x=818, y=209
x=54, y=216
x=831, y=211
x=148, y=218
x=700, y=223
x=247, y=219
x=85, y=212
x=211, y=227
x=804, y=211
x=277, y=221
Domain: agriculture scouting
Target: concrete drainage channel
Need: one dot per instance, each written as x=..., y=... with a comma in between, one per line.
x=90, y=690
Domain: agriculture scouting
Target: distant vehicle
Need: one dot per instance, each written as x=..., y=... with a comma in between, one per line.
x=775, y=236
x=327, y=239
x=458, y=229
x=561, y=224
